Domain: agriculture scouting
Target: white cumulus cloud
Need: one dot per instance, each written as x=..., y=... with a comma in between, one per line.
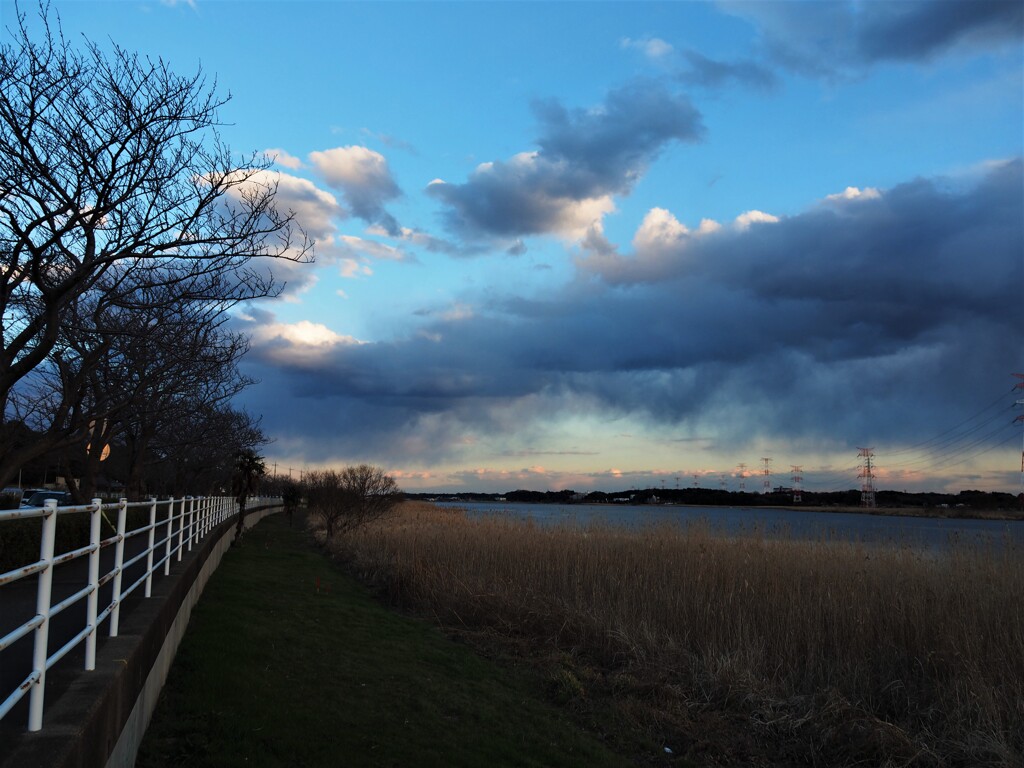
x=354, y=268
x=300, y=343
x=282, y=158
x=371, y=248
x=303, y=333
x=744, y=220
x=651, y=47
x=356, y=166
x=365, y=181
x=854, y=193
x=658, y=230
x=315, y=209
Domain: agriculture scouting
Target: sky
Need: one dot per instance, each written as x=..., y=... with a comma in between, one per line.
x=610, y=245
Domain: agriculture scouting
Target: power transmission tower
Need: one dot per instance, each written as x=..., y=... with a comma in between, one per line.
x=742, y=471
x=797, y=479
x=766, y=472
x=1020, y=385
x=867, y=489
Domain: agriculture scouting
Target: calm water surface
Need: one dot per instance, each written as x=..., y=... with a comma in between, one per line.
x=921, y=532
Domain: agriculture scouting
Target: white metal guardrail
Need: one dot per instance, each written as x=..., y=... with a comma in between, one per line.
x=184, y=522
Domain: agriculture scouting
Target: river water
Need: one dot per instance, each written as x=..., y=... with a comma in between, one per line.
x=925, y=533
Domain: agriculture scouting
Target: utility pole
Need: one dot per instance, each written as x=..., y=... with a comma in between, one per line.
x=867, y=489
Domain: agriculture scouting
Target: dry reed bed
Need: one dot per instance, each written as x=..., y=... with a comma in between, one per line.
x=855, y=654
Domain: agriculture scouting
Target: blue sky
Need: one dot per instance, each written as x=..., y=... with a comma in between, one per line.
x=602, y=245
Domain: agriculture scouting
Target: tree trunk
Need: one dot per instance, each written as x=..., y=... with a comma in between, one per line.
x=241, y=518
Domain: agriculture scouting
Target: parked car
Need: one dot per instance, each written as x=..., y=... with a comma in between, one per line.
x=38, y=498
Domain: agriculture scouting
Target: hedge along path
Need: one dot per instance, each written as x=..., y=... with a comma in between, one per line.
x=288, y=661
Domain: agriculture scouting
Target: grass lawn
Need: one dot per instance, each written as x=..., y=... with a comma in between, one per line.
x=272, y=672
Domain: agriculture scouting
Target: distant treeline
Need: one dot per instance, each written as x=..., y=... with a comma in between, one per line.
x=708, y=497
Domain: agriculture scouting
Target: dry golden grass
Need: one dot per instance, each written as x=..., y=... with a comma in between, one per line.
x=822, y=652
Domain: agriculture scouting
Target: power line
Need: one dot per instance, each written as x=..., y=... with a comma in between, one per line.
x=911, y=448
x=950, y=445
x=960, y=443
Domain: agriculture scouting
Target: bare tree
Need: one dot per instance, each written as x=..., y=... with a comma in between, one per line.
x=345, y=500
x=249, y=470
x=199, y=453
x=325, y=498
x=113, y=183
x=132, y=371
x=291, y=496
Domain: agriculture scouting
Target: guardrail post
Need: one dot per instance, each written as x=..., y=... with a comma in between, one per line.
x=122, y=519
x=149, y=547
x=42, y=635
x=170, y=532
x=181, y=528
x=92, y=603
x=191, y=521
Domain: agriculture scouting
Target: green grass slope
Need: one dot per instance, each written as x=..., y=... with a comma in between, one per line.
x=273, y=672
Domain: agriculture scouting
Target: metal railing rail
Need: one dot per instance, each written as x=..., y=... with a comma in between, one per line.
x=194, y=518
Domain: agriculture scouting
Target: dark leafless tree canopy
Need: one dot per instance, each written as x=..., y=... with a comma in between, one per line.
x=121, y=213
x=249, y=470
x=155, y=367
x=350, y=498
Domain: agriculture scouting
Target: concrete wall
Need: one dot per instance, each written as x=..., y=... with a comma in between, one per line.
x=101, y=718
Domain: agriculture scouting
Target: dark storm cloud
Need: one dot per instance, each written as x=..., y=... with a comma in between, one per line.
x=714, y=73
x=863, y=318
x=841, y=39
x=854, y=277
x=914, y=30
x=583, y=156
x=605, y=149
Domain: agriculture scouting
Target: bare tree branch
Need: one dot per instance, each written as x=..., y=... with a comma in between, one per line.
x=119, y=206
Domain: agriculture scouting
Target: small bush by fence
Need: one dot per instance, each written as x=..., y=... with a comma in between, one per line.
x=20, y=539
